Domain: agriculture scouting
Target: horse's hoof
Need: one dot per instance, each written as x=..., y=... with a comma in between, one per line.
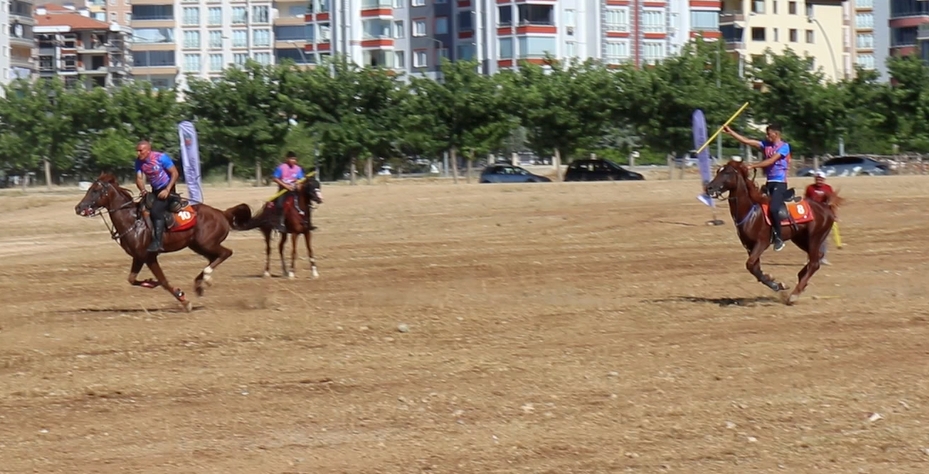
x=198, y=290
x=792, y=299
x=291, y=275
x=315, y=274
x=188, y=306
x=266, y=275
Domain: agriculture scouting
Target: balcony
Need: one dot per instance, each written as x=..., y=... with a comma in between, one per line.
x=735, y=46
x=731, y=17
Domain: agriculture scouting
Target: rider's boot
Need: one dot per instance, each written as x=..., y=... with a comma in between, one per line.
x=280, y=226
x=156, y=245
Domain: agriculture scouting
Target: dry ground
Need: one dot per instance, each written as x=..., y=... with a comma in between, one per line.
x=553, y=328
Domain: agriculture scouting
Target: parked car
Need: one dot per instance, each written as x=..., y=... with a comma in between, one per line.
x=501, y=173
x=849, y=166
x=599, y=170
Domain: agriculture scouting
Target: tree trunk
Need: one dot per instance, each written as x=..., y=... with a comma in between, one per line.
x=670, y=159
x=48, y=175
x=257, y=173
x=351, y=172
x=229, y=173
x=514, y=159
x=556, y=163
x=470, y=165
x=454, y=163
x=369, y=169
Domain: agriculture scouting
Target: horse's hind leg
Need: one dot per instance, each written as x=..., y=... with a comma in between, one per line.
x=293, y=255
x=280, y=251
x=267, y=235
x=155, y=267
x=134, y=270
x=814, y=255
x=217, y=254
x=309, y=250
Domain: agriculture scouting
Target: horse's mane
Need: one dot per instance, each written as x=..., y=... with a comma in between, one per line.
x=110, y=178
x=753, y=192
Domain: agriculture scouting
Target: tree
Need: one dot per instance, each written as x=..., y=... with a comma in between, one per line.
x=870, y=125
x=809, y=111
x=909, y=102
x=564, y=108
x=660, y=101
x=242, y=113
x=462, y=111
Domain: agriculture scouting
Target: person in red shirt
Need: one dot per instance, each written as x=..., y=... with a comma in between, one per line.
x=819, y=191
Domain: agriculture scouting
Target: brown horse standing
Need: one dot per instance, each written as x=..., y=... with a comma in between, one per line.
x=811, y=226
x=199, y=227
x=297, y=221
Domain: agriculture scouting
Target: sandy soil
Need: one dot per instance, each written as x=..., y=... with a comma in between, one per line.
x=553, y=328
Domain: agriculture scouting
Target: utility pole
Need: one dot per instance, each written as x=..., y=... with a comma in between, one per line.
x=719, y=139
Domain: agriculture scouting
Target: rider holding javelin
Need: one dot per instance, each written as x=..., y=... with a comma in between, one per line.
x=162, y=176
x=775, y=165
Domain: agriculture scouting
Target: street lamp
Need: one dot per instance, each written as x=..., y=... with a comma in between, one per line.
x=835, y=65
x=437, y=59
x=299, y=50
x=841, y=131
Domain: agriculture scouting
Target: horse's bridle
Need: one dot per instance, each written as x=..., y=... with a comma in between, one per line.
x=95, y=211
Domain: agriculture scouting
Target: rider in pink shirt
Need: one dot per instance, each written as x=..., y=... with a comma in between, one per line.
x=286, y=176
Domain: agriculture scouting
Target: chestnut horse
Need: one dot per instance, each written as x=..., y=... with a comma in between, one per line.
x=811, y=225
x=199, y=227
x=297, y=221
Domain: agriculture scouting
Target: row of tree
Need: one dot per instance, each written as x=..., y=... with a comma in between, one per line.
x=345, y=114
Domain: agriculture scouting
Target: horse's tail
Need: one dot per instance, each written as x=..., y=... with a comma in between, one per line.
x=240, y=217
x=834, y=201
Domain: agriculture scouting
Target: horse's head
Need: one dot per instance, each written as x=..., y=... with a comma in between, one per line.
x=727, y=178
x=101, y=195
x=311, y=190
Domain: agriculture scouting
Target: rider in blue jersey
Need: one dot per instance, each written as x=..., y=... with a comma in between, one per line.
x=775, y=164
x=162, y=175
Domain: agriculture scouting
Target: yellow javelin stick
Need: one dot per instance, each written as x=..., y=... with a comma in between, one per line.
x=281, y=192
x=835, y=235
x=736, y=114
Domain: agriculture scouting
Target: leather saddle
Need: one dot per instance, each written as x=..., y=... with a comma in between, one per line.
x=175, y=204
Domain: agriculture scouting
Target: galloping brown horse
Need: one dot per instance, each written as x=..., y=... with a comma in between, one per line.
x=808, y=228
x=297, y=221
x=200, y=227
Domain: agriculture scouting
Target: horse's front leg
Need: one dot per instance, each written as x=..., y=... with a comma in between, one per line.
x=155, y=267
x=134, y=270
x=280, y=251
x=753, y=265
x=309, y=250
x=293, y=254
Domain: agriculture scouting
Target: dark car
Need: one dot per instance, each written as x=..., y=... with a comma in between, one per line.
x=510, y=174
x=849, y=166
x=599, y=170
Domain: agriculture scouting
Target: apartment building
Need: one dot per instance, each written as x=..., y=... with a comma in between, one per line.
x=909, y=28
x=872, y=35
x=109, y=11
x=818, y=28
x=413, y=35
x=78, y=49
x=19, y=40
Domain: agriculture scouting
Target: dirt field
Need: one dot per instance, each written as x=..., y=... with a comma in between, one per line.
x=552, y=328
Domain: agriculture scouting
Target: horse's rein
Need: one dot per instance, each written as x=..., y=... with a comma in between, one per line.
x=112, y=228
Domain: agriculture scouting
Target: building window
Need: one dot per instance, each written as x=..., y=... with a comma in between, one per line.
x=653, y=51
x=794, y=37
x=239, y=38
x=420, y=59
x=398, y=30
x=505, y=46
x=704, y=21
x=809, y=10
x=464, y=21
x=192, y=39
x=570, y=49
x=441, y=25
x=792, y=8
x=864, y=4
x=418, y=3
x=866, y=61
x=653, y=21
x=536, y=46
x=191, y=16
x=261, y=38
x=215, y=16
x=399, y=60
x=864, y=41
x=216, y=62
x=239, y=59
x=465, y=52
x=774, y=7
x=260, y=14
x=617, y=52
x=809, y=36
x=758, y=6
x=864, y=20
x=758, y=34
x=263, y=58
x=617, y=19
x=774, y=30
x=216, y=39
x=419, y=28
x=569, y=18
x=191, y=63
x=239, y=15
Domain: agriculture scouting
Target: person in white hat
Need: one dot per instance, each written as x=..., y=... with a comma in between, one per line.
x=819, y=191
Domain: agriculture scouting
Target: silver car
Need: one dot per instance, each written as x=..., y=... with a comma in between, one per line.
x=849, y=166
